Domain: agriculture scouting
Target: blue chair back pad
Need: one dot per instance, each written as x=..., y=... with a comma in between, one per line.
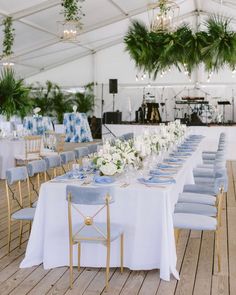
x=81, y=152
x=16, y=174
x=90, y=196
x=35, y=167
x=92, y=148
x=67, y=157
x=53, y=161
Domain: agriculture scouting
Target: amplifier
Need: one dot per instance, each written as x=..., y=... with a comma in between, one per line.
x=112, y=118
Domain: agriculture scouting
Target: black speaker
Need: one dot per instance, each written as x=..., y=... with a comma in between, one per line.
x=113, y=86
x=112, y=118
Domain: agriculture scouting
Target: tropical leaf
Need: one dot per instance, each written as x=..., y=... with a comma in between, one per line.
x=155, y=52
x=14, y=95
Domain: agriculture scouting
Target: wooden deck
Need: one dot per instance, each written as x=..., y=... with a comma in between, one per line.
x=196, y=262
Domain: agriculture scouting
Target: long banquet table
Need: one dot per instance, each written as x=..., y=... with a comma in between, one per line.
x=145, y=213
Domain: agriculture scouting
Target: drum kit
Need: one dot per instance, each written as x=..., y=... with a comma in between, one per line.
x=196, y=110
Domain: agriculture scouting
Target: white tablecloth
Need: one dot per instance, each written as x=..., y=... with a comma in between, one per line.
x=8, y=150
x=145, y=213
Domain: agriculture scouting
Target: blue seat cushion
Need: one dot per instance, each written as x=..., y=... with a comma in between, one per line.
x=89, y=232
x=194, y=221
x=195, y=208
x=200, y=189
x=24, y=214
x=197, y=198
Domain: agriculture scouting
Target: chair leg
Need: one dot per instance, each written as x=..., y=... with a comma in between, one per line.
x=122, y=253
x=79, y=251
x=176, y=232
x=108, y=264
x=21, y=230
x=30, y=225
x=71, y=265
x=9, y=236
x=218, y=251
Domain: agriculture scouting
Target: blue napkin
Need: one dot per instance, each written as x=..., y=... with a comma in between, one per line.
x=186, y=149
x=155, y=180
x=71, y=175
x=174, y=160
x=103, y=179
x=180, y=154
x=161, y=173
x=166, y=166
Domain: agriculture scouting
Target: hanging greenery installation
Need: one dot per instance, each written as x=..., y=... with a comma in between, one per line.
x=157, y=51
x=8, y=38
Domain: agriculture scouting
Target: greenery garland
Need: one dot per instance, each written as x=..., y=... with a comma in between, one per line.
x=156, y=52
x=8, y=36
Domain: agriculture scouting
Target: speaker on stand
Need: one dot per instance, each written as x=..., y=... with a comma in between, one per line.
x=113, y=89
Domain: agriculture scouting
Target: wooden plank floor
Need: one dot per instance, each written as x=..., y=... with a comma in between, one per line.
x=196, y=262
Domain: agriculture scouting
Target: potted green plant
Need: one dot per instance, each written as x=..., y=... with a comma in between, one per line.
x=14, y=95
x=61, y=102
x=85, y=100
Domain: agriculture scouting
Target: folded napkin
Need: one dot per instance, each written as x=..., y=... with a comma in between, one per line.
x=166, y=166
x=103, y=179
x=174, y=160
x=180, y=154
x=161, y=173
x=156, y=180
x=186, y=149
x=71, y=175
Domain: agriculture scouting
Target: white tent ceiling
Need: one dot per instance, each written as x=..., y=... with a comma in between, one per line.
x=38, y=47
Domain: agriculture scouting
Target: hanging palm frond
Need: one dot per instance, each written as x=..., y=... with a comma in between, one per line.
x=155, y=52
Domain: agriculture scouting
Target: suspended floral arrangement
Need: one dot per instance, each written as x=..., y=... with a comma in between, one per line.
x=73, y=14
x=8, y=40
x=157, y=48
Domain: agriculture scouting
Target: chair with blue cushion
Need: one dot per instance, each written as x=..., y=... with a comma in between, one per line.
x=89, y=230
x=35, y=168
x=53, y=163
x=14, y=179
x=67, y=159
x=93, y=148
x=81, y=152
x=201, y=222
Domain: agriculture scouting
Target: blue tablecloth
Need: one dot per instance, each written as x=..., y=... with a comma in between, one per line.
x=77, y=127
x=37, y=125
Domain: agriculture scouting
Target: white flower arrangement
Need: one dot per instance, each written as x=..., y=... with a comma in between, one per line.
x=113, y=158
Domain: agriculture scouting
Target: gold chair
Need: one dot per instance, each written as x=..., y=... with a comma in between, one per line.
x=16, y=176
x=89, y=230
x=33, y=145
x=202, y=222
x=53, y=143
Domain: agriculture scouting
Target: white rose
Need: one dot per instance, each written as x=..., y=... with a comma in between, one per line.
x=108, y=169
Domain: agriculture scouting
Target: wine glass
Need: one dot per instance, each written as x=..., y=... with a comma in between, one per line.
x=85, y=163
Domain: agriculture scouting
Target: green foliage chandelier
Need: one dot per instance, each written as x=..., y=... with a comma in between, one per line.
x=156, y=51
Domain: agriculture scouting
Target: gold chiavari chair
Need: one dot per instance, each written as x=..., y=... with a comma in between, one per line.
x=53, y=143
x=33, y=145
x=15, y=176
x=91, y=230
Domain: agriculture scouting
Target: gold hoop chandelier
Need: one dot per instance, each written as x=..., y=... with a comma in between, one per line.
x=162, y=14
